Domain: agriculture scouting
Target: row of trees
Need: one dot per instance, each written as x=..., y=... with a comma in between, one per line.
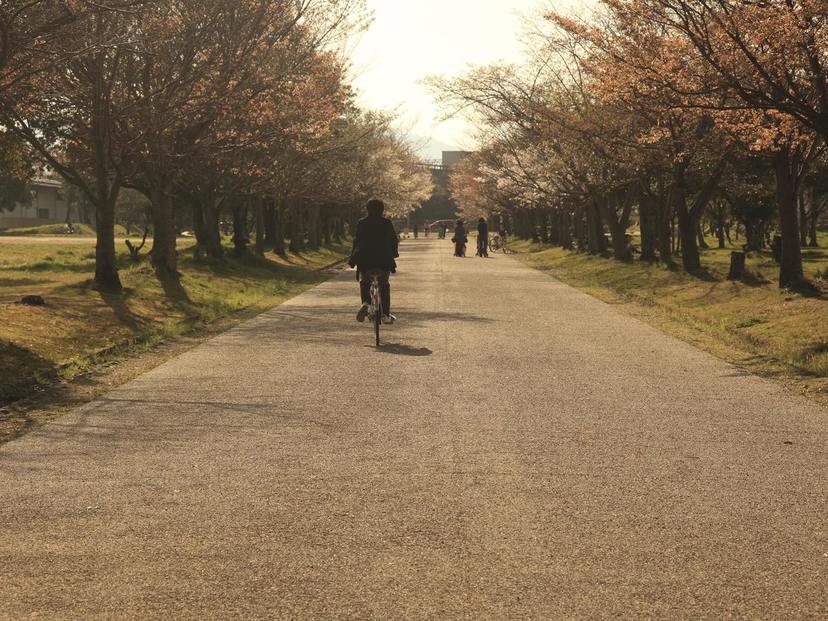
x=678, y=115
x=217, y=108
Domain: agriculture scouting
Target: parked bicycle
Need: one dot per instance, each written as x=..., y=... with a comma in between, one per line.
x=499, y=243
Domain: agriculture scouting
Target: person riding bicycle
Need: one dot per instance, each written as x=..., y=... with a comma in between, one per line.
x=376, y=245
x=460, y=239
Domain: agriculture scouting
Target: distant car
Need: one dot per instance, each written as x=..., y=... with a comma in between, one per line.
x=449, y=224
x=187, y=234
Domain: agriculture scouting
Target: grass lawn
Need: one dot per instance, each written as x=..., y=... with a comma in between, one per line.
x=78, y=325
x=752, y=323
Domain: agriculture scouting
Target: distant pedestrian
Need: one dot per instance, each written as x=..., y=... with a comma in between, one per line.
x=416, y=230
x=427, y=229
x=460, y=239
x=443, y=230
x=482, y=238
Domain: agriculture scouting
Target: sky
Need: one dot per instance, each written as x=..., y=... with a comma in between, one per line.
x=413, y=39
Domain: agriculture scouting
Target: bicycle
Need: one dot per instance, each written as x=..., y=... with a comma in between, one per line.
x=499, y=244
x=375, y=306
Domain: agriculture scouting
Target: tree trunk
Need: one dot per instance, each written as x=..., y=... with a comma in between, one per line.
x=297, y=231
x=518, y=224
x=566, y=232
x=212, y=229
x=106, y=262
x=596, y=242
x=665, y=232
x=754, y=237
x=618, y=221
x=260, y=226
x=541, y=226
x=240, y=238
x=737, y=266
x=327, y=226
x=687, y=224
x=720, y=232
x=648, y=221
x=163, y=255
x=620, y=243
x=198, y=227
x=107, y=182
x=581, y=235
x=279, y=229
x=314, y=228
x=700, y=235
x=270, y=225
x=553, y=227
x=803, y=218
x=690, y=259
x=787, y=193
x=353, y=219
x=812, y=228
x=338, y=229
x=532, y=223
x=776, y=249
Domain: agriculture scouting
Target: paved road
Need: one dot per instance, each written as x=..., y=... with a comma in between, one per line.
x=521, y=450
x=50, y=240
x=63, y=240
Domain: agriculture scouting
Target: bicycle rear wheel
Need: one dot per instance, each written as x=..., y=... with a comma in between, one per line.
x=378, y=323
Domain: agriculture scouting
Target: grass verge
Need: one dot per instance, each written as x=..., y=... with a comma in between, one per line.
x=754, y=324
x=80, y=328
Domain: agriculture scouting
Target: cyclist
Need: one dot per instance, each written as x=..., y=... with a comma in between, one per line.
x=376, y=245
x=482, y=238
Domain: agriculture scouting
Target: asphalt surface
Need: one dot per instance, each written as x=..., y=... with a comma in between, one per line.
x=62, y=240
x=51, y=240
x=517, y=450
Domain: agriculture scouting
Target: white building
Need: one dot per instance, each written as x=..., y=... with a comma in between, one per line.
x=48, y=206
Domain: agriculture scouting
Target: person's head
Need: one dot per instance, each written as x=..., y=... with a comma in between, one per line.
x=482, y=220
x=460, y=222
x=375, y=207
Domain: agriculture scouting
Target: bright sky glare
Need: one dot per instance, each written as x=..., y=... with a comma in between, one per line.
x=412, y=39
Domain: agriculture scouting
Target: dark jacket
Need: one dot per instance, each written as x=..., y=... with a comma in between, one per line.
x=376, y=245
x=460, y=234
x=482, y=229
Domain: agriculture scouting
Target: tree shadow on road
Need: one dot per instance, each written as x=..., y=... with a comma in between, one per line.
x=400, y=349
x=411, y=315
x=331, y=324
